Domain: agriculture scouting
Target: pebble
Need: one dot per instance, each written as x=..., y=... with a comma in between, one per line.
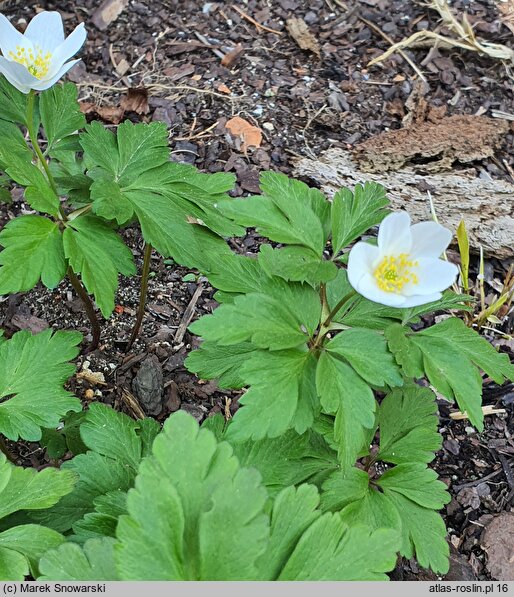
x=268, y=126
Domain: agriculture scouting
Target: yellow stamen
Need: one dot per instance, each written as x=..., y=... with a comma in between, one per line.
x=37, y=65
x=394, y=272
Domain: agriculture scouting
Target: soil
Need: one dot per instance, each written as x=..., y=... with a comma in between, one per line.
x=198, y=64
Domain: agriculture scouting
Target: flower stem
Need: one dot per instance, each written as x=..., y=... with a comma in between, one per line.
x=338, y=307
x=34, y=141
x=90, y=309
x=142, y=295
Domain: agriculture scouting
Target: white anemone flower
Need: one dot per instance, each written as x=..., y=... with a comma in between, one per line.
x=37, y=58
x=404, y=269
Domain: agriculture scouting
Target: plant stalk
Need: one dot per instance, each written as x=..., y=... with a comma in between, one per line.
x=338, y=307
x=34, y=141
x=90, y=309
x=142, y=295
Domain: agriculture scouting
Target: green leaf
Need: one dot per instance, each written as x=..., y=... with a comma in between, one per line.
x=407, y=354
x=366, y=352
x=288, y=212
x=60, y=112
x=451, y=372
x=303, y=458
x=295, y=263
x=344, y=393
x=417, y=483
x=14, y=148
x=29, y=541
x=212, y=361
x=375, y=510
x=294, y=511
x=38, y=192
x=32, y=372
x=354, y=213
x=37, y=243
x=477, y=349
x=133, y=176
x=104, y=520
x=27, y=489
x=115, y=441
x=237, y=274
x=266, y=321
x=191, y=503
x=93, y=562
x=280, y=396
x=343, y=488
x=408, y=422
x=330, y=550
x=98, y=254
x=13, y=103
x=423, y=534
x=112, y=434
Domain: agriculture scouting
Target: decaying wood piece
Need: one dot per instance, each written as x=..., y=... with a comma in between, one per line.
x=433, y=146
x=486, y=206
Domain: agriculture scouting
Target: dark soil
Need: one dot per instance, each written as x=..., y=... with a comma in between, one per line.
x=303, y=104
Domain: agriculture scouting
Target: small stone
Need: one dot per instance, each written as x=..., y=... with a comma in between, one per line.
x=268, y=126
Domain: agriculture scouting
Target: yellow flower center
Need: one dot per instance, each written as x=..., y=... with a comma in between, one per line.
x=393, y=272
x=37, y=63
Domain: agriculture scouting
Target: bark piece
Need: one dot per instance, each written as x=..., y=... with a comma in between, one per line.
x=108, y=12
x=486, y=206
x=299, y=31
x=498, y=541
x=432, y=146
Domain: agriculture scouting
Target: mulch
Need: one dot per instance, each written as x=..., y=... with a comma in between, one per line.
x=195, y=65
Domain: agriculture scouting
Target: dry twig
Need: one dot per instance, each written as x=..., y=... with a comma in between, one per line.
x=254, y=22
x=465, y=37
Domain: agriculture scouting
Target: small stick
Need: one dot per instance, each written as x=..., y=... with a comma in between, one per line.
x=486, y=410
x=254, y=22
x=391, y=41
x=188, y=315
x=209, y=45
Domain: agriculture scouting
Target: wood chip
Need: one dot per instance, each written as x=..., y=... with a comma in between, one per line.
x=249, y=134
x=299, y=31
x=108, y=12
x=233, y=56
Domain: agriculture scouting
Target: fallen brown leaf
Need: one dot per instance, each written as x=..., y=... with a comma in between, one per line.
x=136, y=100
x=249, y=134
x=110, y=114
x=299, y=31
x=233, y=56
x=506, y=9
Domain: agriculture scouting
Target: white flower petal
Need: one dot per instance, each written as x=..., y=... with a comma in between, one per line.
x=417, y=299
x=10, y=37
x=394, y=236
x=361, y=261
x=46, y=30
x=68, y=48
x=41, y=85
x=429, y=239
x=434, y=275
x=17, y=75
x=367, y=286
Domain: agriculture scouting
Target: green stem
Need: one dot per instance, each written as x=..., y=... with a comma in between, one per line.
x=338, y=307
x=90, y=309
x=34, y=141
x=142, y=296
